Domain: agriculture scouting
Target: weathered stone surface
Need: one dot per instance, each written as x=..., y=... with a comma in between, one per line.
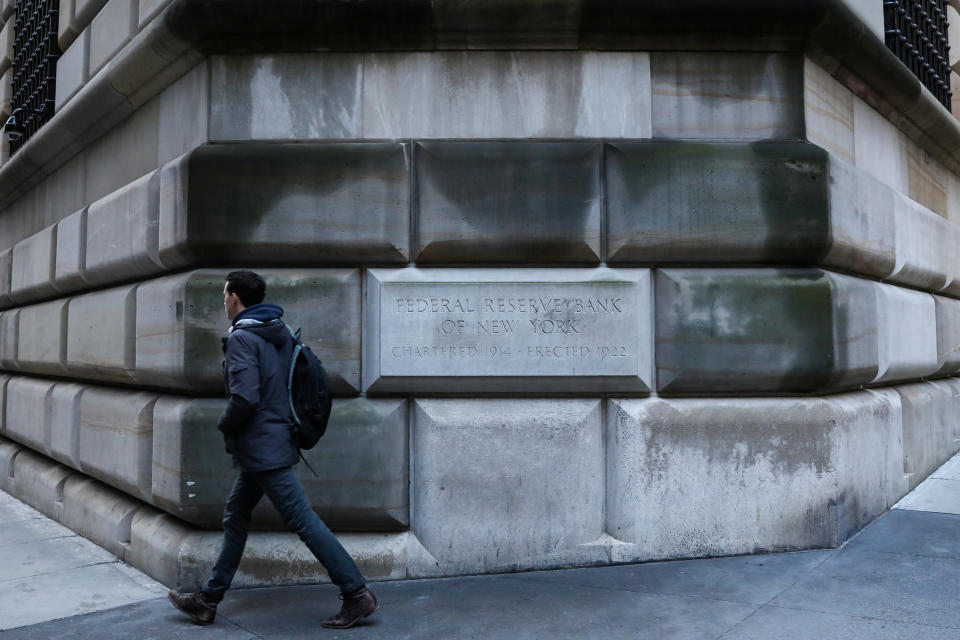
x=716, y=202
x=67, y=27
x=72, y=69
x=877, y=147
x=71, y=252
x=28, y=411
x=948, y=335
x=9, y=450
x=98, y=513
x=286, y=204
x=6, y=93
x=179, y=130
x=149, y=9
x=922, y=246
x=63, y=434
x=180, y=321
x=39, y=481
x=6, y=268
x=42, y=337
x=112, y=28
x=727, y=95
x=748, y=475
x=721, y=330
x=907, y=335
x=357, y=488
x=508, y=201
x=7, y=34
x=458, y=330
x=86, y=10
x=34, y=261
x=136, y=140
x=4, y=379
x=516, y=94
x=928, y=428
x=115, y=438
x=122, y=233
x=828, y=111
x=870, y=13
x=927, y=179
x=101, y=334
x=9, y=328
x=484, y=501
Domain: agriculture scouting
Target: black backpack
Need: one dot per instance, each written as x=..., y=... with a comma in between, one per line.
x=310, y=400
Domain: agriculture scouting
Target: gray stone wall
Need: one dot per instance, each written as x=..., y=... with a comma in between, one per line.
x=577, y=307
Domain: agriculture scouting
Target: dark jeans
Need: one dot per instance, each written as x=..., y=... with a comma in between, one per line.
x=284, y=491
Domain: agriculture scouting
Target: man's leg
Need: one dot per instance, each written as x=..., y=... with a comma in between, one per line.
x=202, y=606
x=284, y=491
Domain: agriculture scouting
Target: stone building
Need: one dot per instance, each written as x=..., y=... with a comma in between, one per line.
x=595, y=281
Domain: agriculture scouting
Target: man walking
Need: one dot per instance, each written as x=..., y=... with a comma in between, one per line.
x=257, y=429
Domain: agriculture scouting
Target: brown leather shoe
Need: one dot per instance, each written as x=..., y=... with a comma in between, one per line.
x=359, y=604
x=200, y=606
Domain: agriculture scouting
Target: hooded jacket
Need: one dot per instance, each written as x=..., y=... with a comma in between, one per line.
x=257, y=425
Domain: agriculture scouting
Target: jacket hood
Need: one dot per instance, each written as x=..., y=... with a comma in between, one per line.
x=264, y=320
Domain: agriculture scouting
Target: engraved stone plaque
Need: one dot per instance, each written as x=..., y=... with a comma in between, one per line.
x=474, y=330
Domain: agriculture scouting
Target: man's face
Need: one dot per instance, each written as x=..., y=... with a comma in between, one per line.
x=231, y=303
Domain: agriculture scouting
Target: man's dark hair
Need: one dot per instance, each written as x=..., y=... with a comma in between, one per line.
x=248, y=286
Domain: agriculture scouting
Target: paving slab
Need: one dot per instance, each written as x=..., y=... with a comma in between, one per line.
x=949, y=471
x=912, y=532
x=933, y=495
x=33, y=529
x=779, y=622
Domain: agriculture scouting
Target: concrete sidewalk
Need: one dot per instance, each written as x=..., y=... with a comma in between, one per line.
x=898, y=579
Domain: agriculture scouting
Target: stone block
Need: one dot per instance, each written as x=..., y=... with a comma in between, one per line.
x=9, y=450
x=42, y=338
x=63, y=435
x=877, y=147
x=39, y=481
x=928, y=428
x=486, y=202
x=179, y=130
x=7, y=9
x=357, y=488
x=71, y=252
x=708, y=477
x=721, y=95
x=64, y=190
x=948, y=335
x=287, y=96
x=6, y=269
x=101, y=335
x=115, y=438
x=98, y=513
x=287, y=204
x=927, y=179
x=504, y=484
x=488, y=330
x=907, y=333
x=6, y=94
x=180, y=321
x=506, y=94
x=86, y=10
x=34, y=262
x=4, y=379
x=828, y=111
x=953, y=259
x=150, y=9
x=112, y=28
x=122, y=233
x=9, y=328
x=716, y=202
x=797, y=330
x=136, y=141
x=922, y=246
x=7, y=34
x=870, y=13
x=72, y=68
x=28, y=411
x=67, y=27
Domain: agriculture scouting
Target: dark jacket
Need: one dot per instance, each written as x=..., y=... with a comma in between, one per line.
x=257, y=422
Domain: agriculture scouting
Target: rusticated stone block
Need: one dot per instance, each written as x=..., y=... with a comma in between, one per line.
x=28, y=411
x=357, y=488
x=38, y=481
x=99, y=513
x=9, y=329
x=922, y=240
x=702, y=477
x=101, y=334
x=63, y=435
x=907, y=336
x=928, y=428
x=828, y=111
x=115, y=438
x=948, y=335
x=71, y=252
x=722, y=330
x=286, y=204
x=149, y=9
x=122, y=233
x=9, y=450
x=34, y=261
x=508, y=201
x=482, y=330
x=727, y=95
x=113, y=27
x=6, y=271
x=7, y=34
x=42, y=337
x=769, y=202
x=72, y=68
x=180, y=323
x=506, y=483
